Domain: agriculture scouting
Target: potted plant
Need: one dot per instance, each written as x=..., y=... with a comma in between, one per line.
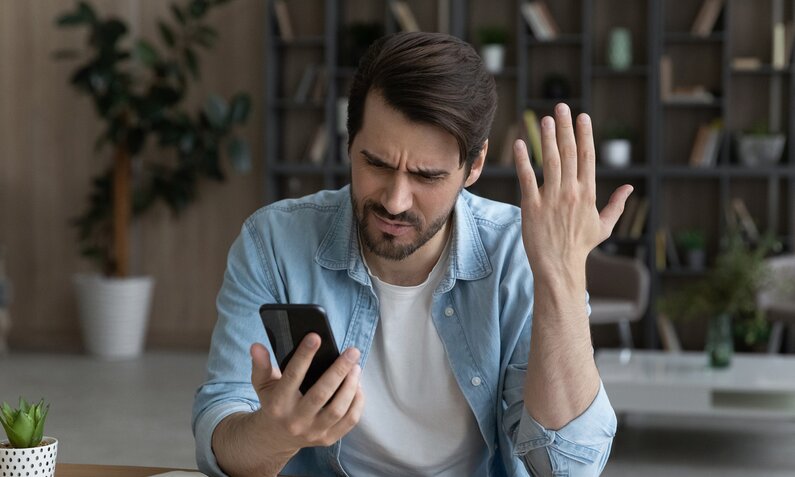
x=727, y=297
x=758, y=146
x=692, y=243
x=616, y=147
x=139, y=90
x=492, y=47
x=26, y=451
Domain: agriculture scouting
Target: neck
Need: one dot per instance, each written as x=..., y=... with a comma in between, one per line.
x=414, y=269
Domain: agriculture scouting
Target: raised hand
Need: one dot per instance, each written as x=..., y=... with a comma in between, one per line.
x=560, y=221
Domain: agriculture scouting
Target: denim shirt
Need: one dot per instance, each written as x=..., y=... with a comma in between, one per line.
x=306, y=251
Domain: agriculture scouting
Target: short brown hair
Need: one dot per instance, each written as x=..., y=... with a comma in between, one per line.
x=431, y=78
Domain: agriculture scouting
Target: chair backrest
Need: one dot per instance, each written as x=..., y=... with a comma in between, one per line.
x=619, y=277
x=780, y=288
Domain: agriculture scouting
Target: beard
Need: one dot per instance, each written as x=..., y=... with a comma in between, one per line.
x=385, y=245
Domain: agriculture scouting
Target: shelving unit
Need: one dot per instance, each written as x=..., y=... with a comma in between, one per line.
x=680, y=196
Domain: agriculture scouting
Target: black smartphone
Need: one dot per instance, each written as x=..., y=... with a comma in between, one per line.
x=287, y=325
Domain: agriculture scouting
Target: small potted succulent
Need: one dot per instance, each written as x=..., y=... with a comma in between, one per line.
x=616, y=146
x=27, y=451
x=759, y=146
x=692, y=243
x=492, y=47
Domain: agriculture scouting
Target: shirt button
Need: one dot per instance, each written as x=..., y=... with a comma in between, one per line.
x=476, y=381
x=449, y=311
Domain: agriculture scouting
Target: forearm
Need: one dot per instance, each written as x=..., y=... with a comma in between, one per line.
x=238, y=449
x=562, y=379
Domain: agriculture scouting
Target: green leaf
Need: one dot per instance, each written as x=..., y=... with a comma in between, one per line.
x=216, y=109
x=23, y=405
x=65, y=54
x=22, y=430
x=198, y=8
x=178, y=14
x=41, y=416
x=83, y=14
x=239, y=154
x=241, y=105
x=146, y=53
x=206, y=36
x=166, y=34
x=192, y=62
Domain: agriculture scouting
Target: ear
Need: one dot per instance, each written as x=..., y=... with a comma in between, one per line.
x=477, y=166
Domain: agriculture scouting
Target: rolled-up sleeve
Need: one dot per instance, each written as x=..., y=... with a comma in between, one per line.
x=580, y=448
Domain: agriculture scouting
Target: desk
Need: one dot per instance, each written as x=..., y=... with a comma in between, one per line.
x=656, y=382
x=87, y=470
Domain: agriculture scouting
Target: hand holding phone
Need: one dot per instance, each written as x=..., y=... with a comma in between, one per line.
x=287, y=325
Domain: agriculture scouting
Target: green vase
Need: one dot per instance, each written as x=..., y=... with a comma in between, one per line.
x=619, y=49
x=720, y=343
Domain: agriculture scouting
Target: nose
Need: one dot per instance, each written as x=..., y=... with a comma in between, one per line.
x=397, y=196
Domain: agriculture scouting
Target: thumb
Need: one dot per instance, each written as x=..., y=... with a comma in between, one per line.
x=614, y=208
x=263, y=374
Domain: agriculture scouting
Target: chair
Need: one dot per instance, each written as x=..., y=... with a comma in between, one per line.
x=777, y=299
x=619, y=291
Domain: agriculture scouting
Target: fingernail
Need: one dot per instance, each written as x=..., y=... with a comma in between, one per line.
x=584, y=119
x=351, y=354
x=311, y=341
x=563, y=109
x=547, y=122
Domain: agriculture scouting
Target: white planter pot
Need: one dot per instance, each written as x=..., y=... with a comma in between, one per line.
x=33, y=462
x=616, y=153
x=493, y=57
x=760, y=150
x=114, y=313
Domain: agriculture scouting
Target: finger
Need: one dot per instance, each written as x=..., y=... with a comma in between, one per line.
x=339, y=405
x=567, y=146
x=550, y=153
x=263, y=374
x=351, y=418
x=524, y=171
x=294, y=372
x=615, y=206
x=325, y=387
x=586, y=153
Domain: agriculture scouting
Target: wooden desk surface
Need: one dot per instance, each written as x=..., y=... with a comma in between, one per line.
x=86, y=470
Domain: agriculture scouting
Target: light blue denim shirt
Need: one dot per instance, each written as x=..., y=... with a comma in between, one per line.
x=306, y=251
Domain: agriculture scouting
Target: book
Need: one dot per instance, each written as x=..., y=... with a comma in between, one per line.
x=707, y=17
x=712, y=147
x=283, y=22
x=744, y=219
x=316, y=152
x=639, y=221
x=671, y=254
x=305, y=83
x=699, y=145
x=666, y=77
x=789, y=41
x=404, y=16
x=779, y=59
x=535, y=21
x=546, y=17
x=506, y=154
x=660, y=249
x=625, y=221
x=533, y=128
x=746, y=63
x=321, y=84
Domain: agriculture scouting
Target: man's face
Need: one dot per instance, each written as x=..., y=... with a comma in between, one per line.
x=405, y=178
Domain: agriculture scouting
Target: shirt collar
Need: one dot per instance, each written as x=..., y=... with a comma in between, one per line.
x=339, y=249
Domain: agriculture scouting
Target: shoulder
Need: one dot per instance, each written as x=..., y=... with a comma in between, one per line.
x=491, y=215
x=305, y=213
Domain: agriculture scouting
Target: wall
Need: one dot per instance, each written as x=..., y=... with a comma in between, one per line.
x=47, y=133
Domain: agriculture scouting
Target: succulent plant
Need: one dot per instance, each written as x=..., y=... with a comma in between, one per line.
x=24, y=426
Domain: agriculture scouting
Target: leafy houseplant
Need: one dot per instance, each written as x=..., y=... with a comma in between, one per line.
x=492, y=47
x=692, y=242
x=139, y=90
x=729, y=289
x=26, y=451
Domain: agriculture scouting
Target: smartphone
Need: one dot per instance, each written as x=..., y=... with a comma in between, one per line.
x=287, y=325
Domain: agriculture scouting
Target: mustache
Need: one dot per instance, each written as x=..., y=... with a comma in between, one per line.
x=378, y=209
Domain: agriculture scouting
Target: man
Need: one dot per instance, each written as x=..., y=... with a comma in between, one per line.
x=432, y=292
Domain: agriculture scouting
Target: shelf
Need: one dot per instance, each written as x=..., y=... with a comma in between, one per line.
x=605, y=71
x=764, y=70
x=306, y=169
x=549, y=104
x=631, y=171
x=682, y=272
x=290, y=104
x=568, y=39
x=691, y=103
x=688, y=38
x=726, y=171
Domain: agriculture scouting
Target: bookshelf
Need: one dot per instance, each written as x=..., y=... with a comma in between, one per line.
x=704, y=85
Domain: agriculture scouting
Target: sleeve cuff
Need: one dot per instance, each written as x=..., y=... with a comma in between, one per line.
x=582, y=439
x=203, y=433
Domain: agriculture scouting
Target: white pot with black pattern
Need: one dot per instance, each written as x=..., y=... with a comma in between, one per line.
x=30, y=462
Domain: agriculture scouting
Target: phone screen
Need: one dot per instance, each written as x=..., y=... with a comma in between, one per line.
x=287, y=325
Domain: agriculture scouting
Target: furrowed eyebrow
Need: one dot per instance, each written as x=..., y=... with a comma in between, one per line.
x=377, y=161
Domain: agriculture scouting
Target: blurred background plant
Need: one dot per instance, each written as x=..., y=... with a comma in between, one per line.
x=139, y=88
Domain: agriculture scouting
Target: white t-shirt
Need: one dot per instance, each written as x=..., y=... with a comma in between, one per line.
x=416, y=421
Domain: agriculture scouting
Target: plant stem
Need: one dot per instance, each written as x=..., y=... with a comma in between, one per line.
x=122, y=210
